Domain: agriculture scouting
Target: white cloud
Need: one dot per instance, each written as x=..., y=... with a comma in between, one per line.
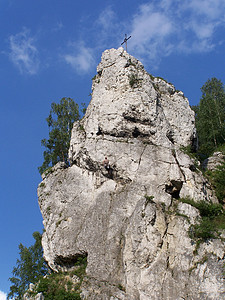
x=205, y=17
x=151, y=31
x=82, y=58
x=212, y=9
x=3, y=295
x=106, y=18
x=202, y=31
x=23, y=53
x=103, y=32
x=108, y=28
x=150, y=24
x=162, y=27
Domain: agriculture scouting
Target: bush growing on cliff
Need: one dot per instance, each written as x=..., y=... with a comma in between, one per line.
x=57, y=286
x=217, y=179
x=32, y=268
x=212, y=220
x=61, y=285
x=133, y=80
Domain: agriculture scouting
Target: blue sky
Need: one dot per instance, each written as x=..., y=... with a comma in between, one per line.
x=50, y=49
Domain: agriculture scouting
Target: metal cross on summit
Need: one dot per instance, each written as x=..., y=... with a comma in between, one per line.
x=125, y=40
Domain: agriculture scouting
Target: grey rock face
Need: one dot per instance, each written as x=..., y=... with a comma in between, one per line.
x=28, y=296
x=212, y=162
x=39, y=296
x=128, y=220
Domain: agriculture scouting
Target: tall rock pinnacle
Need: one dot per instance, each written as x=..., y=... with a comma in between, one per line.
x=128, y=220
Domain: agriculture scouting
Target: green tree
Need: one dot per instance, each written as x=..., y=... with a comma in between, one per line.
x=30, y=267
x=210, y=116
x=60, y=122
x=217, y=179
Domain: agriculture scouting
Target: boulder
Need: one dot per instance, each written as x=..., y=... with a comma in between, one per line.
x=212, y=162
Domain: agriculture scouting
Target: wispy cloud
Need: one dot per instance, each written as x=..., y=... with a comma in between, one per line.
x=108, y=28
x=81, y=59
x=159, y=28
x=3, y=295
x=23, y=52
x=58, y=26
x=162, y=27
x=212, y=9
x=151, y=30
x=106, y=18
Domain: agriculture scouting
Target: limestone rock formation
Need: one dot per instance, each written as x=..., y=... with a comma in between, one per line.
x=128, y=220
x=212, y=162
x=28, y=294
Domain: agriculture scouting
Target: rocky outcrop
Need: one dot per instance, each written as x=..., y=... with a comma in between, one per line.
x=212, y=162
x=129, y=220
x=28, y=295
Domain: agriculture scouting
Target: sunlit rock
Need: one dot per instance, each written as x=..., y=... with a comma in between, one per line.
x=128, y=220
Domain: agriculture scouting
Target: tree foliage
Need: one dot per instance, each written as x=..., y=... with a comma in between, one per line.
x=60, y=122
x=30, y=267
x=217, y=179
x=210, y=116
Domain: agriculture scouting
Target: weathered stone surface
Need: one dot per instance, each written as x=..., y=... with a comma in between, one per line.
x=129, y=222
x=28, y=296
x=212, y=162
x=39, y=296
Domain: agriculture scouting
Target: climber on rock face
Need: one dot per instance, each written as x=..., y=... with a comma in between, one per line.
x=108, y=167
x=106, y=163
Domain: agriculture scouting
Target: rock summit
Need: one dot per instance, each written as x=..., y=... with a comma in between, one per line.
x=129, y=221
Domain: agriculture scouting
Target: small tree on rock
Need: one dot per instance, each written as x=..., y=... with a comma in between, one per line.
x=60, y=122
